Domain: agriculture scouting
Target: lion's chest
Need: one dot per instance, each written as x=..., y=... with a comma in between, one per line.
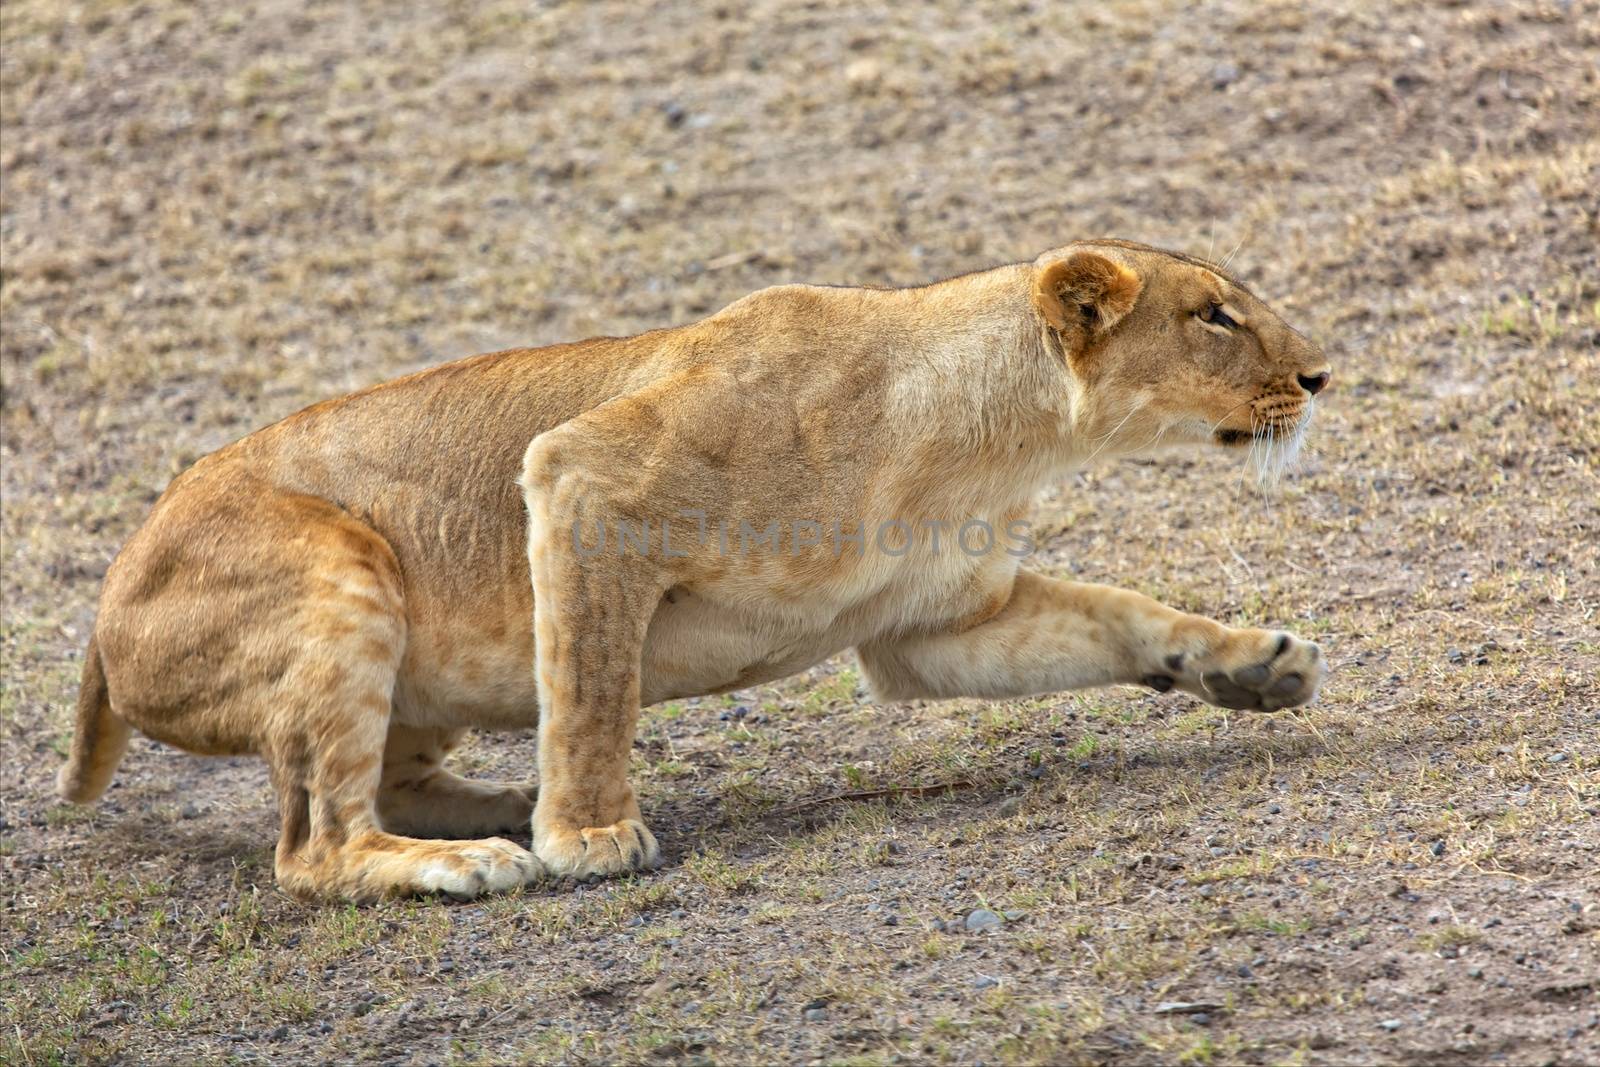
x=725, y=639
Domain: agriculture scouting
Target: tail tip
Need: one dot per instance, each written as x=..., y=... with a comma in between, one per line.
x=72, y=788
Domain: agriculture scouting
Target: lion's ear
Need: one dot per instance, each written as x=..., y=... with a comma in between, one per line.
x=1084, y=294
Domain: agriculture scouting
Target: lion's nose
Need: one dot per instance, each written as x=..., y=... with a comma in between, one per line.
x=1313, y=383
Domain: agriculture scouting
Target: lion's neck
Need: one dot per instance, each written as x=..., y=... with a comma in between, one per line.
x=983, y=393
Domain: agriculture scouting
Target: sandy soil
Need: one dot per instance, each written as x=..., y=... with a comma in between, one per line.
x=214, y=215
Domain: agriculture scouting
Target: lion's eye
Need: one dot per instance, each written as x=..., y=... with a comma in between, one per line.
x=1214, y=314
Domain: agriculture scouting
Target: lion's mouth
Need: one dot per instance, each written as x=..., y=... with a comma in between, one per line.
x=1233, y=438
x=1279, y=429
x=1274, y=443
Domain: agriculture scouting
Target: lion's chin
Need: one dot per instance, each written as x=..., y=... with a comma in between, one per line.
x=1277, y=453
x=1274, y=448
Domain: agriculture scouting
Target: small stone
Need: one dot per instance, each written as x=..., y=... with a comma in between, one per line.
x=190, y=810
x=1224, y=75
x=1186, y=1007
x=1556, y=757
x=1014, y=915
x=1474, y=972
x=891, y=919
x=984, y=981
x=1200, y=1018
x=278, y=1034
x=1244, y=971
x=1274, y=809
x=982, y=919
x=1437, y=848
x=815, y=1011
x=863, y=73
x=1390, y=1025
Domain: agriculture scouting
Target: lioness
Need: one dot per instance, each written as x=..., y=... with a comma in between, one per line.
x=348, y=590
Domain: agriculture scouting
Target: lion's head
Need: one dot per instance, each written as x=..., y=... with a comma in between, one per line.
x=1172, y=350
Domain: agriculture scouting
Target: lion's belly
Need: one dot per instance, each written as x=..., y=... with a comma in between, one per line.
x=468, y=674
x=478, y=672
x=460, y=673
x=695, y=646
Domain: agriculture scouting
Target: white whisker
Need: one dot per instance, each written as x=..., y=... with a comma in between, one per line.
x=1161, y=431
x=1229, y=259
x=1279, y=452
x=1113, y=432
x=1226, y=416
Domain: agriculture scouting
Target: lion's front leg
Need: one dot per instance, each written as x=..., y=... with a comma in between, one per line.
x=1053, y=635
x=1252, y=670
x=590, y=619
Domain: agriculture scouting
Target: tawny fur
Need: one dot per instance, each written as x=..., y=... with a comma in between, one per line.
x=347, y=590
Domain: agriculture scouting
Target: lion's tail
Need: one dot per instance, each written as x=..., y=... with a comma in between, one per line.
x=100, y=740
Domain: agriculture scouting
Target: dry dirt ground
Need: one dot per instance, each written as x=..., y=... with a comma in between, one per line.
x=215, y=214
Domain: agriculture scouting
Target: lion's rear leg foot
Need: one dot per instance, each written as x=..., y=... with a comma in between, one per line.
x=328, y=765
x=378, y=865
x=333, y=847
x=446, y=805
x=419, y=798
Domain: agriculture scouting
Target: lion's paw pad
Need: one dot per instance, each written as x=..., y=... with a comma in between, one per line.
x=472, y=868
x=627, y=845
x=1287, y=677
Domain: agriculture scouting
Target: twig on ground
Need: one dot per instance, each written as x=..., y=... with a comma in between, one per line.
x=874, y=794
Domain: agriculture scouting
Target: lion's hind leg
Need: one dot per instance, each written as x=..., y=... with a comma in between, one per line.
x=324, y=723
x=417, y=796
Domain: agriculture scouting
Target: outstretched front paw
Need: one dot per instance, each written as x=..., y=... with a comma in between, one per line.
x=626, y=845
x=1255, y=670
